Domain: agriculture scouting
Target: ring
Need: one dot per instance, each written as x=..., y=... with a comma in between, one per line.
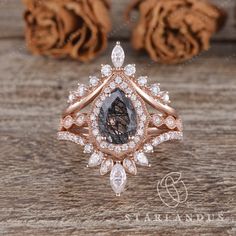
x=117, y=130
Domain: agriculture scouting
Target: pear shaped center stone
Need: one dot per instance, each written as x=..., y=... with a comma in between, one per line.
x=117, y=119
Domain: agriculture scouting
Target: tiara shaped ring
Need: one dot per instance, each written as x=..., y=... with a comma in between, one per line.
x=110, y=119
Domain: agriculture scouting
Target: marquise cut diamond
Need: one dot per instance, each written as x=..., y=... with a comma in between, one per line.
x=106, y=166
x=95, y=159
x=118, y=178
x=118, y=56
x=130, y=166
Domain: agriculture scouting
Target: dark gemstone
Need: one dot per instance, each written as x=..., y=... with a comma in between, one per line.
x=117, y=118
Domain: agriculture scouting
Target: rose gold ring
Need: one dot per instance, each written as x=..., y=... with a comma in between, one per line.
x=117, y=129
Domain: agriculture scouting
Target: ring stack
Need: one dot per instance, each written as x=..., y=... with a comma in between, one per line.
x=110, y=119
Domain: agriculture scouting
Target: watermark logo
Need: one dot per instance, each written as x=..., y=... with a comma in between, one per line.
x=172, y=190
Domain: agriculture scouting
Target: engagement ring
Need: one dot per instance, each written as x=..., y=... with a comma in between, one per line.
x=110, y=119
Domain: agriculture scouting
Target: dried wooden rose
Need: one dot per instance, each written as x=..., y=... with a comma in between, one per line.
x=61, y=28
x=172, y=31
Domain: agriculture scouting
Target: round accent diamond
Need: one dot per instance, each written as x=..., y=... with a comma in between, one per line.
x=95, y=132
x=155, y=89
x=157, y=120
x=170, y=122
x=118, y=79
x=79, y=120
x=106, y=70
x=81, y=91
x=112, y=85
x=130, y=69
x=142, y=80
x=94, y=80
x=88, y=148
x=148, y=148
x=165, y=97
x=67, y=122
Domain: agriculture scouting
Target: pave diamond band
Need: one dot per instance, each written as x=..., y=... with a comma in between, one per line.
x=118, y=132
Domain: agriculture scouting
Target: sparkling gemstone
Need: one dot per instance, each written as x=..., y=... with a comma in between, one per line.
x=103, y=145
x=125, y=147
x=99, y=138
x=79, y=140
x=118, y=56
x=130, y=166
x=124, y=85
x=130, y=69
x=112, y=85
x=133, y=97
x=95, y=159
x=143, y=118
x=106, y=70
x=98, y=103
x=136, y=139
x=118, y=79
x=79, y=120
x=170, y=122
x=95, y=132
x=94, y=80
x=156, y=141
x=68, y=122
x=166, y=136
x=165, y=97
x=140, y=132
x=148, y=148
x=71, y=97
x=118, y=178
x=92, y=117
x=132, y=144
x=155, y=89
x=81, y=91
x=117, y=118
x=157, y=120
x=141, y=159
x=107, y=90
x=88, y=148
x=106, y=166
x=142, y=80
x=117, y=149
x=111, y=146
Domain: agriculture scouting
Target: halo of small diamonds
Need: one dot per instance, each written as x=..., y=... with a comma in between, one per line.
x=119, y=81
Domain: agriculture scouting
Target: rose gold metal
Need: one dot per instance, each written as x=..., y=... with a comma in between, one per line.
x=89, y=98
x=150, y=130
x=151, y=101
x=85, y=101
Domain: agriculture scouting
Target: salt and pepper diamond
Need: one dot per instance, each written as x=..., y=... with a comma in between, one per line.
x=118, y=118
